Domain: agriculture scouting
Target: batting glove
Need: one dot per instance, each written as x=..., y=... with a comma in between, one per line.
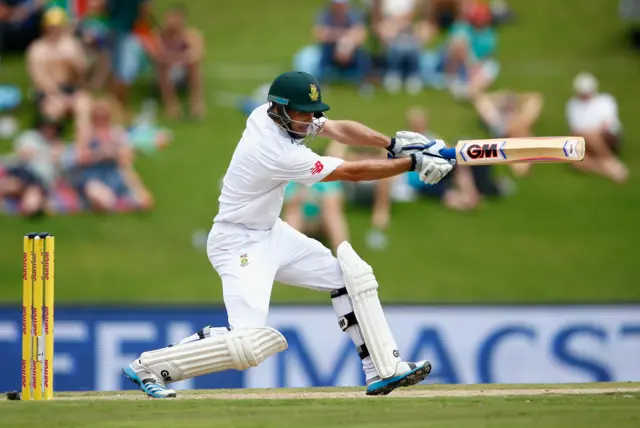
x=431, y=169
x=405, y=143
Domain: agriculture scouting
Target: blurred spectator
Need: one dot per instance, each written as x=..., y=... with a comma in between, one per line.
x=145, y=134
x=439, y=15
x=501, y=12
x=317, y=210
x=95, y=34
x=57, y=66
x=19, y=23
x=341, y=32
x=461, y=190
x=179, y=63
x=468, y=59
x=130, y=22
x=105, y=176
x=401, y=41
x=630, y=13
x=594, y=116
x=370, y=195
x=34, y=168
x=507, y=114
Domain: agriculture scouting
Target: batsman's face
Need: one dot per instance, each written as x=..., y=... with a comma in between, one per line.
x=300, y=122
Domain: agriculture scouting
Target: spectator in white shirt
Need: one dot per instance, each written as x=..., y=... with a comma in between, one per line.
x=594, y=116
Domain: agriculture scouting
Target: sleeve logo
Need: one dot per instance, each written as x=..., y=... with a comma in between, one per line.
x=317, y=168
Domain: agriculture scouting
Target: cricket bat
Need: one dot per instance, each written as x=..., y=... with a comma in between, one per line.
x=516, y=150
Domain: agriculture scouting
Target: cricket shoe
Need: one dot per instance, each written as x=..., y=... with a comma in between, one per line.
x=149, y=382
x=407, y=374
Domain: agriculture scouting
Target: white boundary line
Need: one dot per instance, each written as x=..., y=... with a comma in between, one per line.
x=338, y=394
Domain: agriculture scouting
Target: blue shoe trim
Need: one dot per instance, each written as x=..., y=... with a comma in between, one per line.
x=386, y=383
x=151, y=389
x=131, y=374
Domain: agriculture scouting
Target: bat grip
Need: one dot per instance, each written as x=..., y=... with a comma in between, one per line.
x=448, y=153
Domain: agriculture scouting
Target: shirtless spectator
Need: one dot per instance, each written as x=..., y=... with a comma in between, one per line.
x=179, y=63
x=508, y=114
x=57, y=66
x=106, y=177
x=594, y=116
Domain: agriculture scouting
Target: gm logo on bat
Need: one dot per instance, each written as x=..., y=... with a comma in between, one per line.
x=483, y=151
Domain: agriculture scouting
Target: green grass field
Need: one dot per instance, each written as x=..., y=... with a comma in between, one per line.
x=562, y=237
x=587, y=406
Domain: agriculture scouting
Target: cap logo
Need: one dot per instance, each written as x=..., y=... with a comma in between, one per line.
x=314, y=94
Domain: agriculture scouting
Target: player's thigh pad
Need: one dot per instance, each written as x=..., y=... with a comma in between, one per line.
x=362, y=287
x=236, y=349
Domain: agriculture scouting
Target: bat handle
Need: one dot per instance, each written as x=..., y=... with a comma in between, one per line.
x=448, y=153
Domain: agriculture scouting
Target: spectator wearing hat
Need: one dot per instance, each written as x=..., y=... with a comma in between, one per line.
x=594, y=116
x=468, y=61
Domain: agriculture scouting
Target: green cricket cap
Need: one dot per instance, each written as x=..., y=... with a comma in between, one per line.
x=298, y=91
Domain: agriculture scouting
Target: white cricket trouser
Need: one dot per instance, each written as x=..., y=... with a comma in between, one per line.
x=248, y=261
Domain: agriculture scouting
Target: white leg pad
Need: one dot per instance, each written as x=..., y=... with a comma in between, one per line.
x=236, y=349
x=362, y=287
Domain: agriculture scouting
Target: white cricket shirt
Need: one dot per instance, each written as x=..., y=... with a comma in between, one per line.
x=265, y=160
x=599, y=111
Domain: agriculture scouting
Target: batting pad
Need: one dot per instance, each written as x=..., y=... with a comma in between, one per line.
x=362, y=287
x=236, y=349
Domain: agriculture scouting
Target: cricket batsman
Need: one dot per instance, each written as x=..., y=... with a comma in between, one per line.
x=250, y=247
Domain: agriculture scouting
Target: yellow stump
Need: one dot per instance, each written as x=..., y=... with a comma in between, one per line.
x=37, y=353
x=49, y=263
x=38, y=262
x=27, y=295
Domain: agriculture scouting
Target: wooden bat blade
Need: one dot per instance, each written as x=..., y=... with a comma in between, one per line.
x=519, y=150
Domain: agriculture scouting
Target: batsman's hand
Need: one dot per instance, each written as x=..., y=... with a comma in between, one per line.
x=406, y=143
x=431, y=169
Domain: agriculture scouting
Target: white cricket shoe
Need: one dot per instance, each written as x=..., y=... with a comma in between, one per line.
x=407, y=374
x=149, y=382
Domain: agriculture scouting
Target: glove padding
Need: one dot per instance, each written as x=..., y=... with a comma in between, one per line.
x=431, y=169
x=406, y=143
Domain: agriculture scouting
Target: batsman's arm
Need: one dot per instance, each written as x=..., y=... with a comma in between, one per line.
x=354, y=134
x=371, y=169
